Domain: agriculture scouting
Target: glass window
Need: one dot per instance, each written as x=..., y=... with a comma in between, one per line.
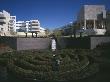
x=2, y=17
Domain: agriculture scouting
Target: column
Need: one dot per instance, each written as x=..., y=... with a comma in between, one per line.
x=85, y=24
x=26, y=34
x=36, y=34
x=94, y=24
x=32, y=34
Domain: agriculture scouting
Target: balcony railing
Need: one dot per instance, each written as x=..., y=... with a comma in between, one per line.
x=35, y=27
x=2, y=20
x=2, y=16
x=95, y=31
x=34, y=24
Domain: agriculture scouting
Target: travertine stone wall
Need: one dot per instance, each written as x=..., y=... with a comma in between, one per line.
x=98, y=40
x=32, y=43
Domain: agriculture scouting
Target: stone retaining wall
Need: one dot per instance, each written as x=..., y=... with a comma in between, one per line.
x=98, y=40
x=90, y=42
x=26, y=43
x=44, y=43
x=32, y=43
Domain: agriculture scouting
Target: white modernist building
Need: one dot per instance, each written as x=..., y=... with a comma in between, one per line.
x=32, y=26
x=7, y=23
x=12, y=23
x=88, y=19
x=20, y=26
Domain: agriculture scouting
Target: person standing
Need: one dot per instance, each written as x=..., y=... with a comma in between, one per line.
x=53, y=43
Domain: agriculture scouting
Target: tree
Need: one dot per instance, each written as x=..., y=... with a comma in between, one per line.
x=47, y=32
x=76, y=26
x=58, y=32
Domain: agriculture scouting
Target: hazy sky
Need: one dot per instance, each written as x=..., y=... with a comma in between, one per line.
x=50, y=13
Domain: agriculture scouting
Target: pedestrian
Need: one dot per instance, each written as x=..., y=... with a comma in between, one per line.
x=53, y=43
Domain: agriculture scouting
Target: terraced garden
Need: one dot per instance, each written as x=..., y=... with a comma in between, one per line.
x=42, y=65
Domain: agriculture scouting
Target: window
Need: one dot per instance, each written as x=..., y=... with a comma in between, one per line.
x=1, y=23
x=2, y=17
x=35, y=25
x=1, y=29
x=13, y=17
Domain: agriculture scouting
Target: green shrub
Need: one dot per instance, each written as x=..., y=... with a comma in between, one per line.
x=39, y=65
x=3, y=61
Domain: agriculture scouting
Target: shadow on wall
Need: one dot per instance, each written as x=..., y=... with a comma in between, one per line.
x=89, y=42
x=18, y=43
x=74, y=42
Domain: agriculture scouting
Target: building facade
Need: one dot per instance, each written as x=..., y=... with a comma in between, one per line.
x=20, y=26
x=12, y=23
x=29, y=26
x=108, y=22
x=88, y=19
x=34, y=26
x=7, y=23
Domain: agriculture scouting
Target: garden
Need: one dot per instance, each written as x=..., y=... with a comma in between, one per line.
x=67, y=64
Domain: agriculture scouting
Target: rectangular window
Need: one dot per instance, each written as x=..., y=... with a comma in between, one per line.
x=2, y=17
x=1, y=29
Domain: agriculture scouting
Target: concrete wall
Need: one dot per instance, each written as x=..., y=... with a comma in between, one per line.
x=85, y=42
x=98, y=40
x=32, y=43
x=9, y=41
x=90, y=12
x=44, y=43
x=26, y=43
x=74, y=42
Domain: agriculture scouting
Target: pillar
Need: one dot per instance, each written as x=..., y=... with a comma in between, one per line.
x=94, y=24
x=84, y=23
x=36, y=34
x=26, y=34
x=32, y=34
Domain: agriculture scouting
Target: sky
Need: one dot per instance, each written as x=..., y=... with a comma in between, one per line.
x=51, y=13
